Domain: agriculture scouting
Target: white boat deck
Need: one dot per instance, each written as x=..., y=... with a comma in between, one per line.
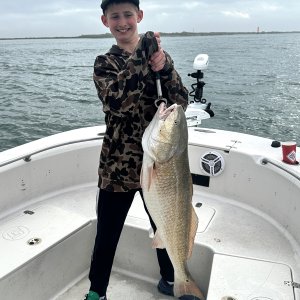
x=121, y=287
x=246, y=247
x=233, y=242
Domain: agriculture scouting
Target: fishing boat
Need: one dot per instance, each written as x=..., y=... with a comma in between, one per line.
x=247, y=199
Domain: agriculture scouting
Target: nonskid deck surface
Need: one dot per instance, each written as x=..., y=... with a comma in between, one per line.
x=226, y=228
x=121, y=287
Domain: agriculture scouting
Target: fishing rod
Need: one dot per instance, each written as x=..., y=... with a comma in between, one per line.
x=160, y=98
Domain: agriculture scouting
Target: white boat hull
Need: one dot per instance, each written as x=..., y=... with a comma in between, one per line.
x=247, y=246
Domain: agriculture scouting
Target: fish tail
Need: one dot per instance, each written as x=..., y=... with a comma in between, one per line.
x=187, y=287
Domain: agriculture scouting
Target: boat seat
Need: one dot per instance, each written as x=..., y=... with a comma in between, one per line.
x=238, y=278
x=27, y=234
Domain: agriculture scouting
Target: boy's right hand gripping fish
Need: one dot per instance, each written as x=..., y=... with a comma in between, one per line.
x=167, y=188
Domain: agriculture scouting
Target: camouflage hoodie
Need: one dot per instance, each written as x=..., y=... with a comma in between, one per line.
x=126, y=87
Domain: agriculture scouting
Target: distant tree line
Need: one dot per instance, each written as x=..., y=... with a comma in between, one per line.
x=171, y=34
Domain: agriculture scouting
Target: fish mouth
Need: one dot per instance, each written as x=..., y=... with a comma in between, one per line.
x=164, y=111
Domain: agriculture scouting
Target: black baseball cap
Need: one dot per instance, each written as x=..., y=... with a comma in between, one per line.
x=105, y=3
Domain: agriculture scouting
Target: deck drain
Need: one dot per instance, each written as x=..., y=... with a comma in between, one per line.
x=34, y=241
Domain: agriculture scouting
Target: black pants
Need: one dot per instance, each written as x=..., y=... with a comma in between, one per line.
x=112, y=211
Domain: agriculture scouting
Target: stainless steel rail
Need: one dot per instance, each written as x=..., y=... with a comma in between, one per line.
x=266, y=161
x=27, y=157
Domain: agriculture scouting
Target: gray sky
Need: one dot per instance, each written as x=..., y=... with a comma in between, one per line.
x=33, y=18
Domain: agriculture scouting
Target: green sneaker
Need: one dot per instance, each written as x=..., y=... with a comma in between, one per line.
x=92, y=296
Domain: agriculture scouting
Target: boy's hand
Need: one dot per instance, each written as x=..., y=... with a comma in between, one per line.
x=158, y=58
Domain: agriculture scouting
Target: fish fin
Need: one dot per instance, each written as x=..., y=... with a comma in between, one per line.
x=141, y=177
x=157, y=241
x=151, y=175
x=187, y=287
x=193, y=231
x=148, y=173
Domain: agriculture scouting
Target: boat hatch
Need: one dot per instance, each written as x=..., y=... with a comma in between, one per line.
x=204, y=212
x=249, y=279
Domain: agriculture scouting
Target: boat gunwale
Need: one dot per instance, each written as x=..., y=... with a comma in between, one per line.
x=266, y=161
x=27, y=157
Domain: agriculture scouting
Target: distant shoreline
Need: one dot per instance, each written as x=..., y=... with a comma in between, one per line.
x=171, y=34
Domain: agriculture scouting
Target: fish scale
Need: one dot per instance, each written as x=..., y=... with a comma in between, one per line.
x=167, y=188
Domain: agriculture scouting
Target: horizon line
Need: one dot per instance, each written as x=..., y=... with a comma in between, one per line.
x=183, y=34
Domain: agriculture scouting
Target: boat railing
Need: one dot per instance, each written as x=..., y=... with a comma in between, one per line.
x=266, y=161
x=27, y=157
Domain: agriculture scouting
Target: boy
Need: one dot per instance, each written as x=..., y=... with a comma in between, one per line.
x=125, y=83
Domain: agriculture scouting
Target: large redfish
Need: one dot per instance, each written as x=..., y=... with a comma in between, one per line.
x=167, y=188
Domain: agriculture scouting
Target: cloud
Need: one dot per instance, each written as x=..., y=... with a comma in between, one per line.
x=191, y=5
x=33, y=7
x=270, y=7
x=72, y=11
x=236, y=14
x=21, y=18
x=151, y=6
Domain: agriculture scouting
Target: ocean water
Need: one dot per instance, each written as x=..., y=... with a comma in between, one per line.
x=252, y=81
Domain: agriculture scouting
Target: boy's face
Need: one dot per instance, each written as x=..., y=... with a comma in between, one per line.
x=122, y=20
